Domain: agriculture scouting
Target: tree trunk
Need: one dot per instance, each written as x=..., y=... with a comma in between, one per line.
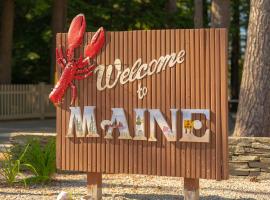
x=253, y=116
x=58, y=25
x=198, y=13
x=171, y=6
x=7, y=21
x=220, y=13
x=235, y=53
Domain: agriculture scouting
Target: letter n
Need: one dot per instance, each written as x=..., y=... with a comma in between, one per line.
x=170, y=133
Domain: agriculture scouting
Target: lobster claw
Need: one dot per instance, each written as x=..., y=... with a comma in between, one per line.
x=76, y=31
x=95, y=44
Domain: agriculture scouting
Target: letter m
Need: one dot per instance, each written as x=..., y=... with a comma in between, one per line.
x=84, y=124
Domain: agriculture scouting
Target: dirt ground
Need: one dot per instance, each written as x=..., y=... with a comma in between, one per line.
x=144, y=187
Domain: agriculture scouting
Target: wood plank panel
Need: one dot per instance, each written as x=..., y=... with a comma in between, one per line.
x=149, y=158
x=218, y=104
x=208, y=99
x=140, y=102
x=163, y=105
x=158, y=105
x=85, y=101
x=213, y=104
x=80, y=141
x=103, y=113
x=172, y=102
x=181, y=72
x=58, y=113
x=107, y=105
x=224, y=102
x=197, y=98
x=126, y=102
x=116, y=104
x=121, y=102
x=202, y=90
x=144, y=144
x=130, y=108
x=90, y=101
x=168, y=93
x=188, y=97
x=112, y=103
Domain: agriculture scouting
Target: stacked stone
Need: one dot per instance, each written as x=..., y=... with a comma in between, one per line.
x=249, y=156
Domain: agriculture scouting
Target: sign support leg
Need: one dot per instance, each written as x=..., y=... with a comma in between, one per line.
x=94, y=182
x=191, y=189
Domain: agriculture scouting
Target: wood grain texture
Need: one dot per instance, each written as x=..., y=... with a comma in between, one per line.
x=200, y=83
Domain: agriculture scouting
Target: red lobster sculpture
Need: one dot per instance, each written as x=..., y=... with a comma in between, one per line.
x=73, y=69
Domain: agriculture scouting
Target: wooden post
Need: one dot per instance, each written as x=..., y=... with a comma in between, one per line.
x=94, y=182
x=191, y=189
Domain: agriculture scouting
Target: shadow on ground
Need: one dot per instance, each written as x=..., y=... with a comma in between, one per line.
x=172, y=197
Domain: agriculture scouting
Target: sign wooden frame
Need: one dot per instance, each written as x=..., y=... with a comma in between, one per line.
x=199, y=82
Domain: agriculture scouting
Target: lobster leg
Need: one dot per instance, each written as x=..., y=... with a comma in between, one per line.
x=73, y=93
x=83, y=62
x=60, y=58
x=80, y=77
x=86, y=70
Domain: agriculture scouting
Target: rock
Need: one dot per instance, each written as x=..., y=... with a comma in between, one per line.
x=245, y=158
x=239, y=172
x=243, y=141
x=231, y=148
x=241, y=165
x=258, y=145
x=62, y=196
x=257, y=173
x=88, y=197
x=244, y=144
x=249, y=150
x=254, y=169
x=239, y=150
x=257, y=164
x=266, y=169
x=265, y=140
x=262, y=151
x=265, y=160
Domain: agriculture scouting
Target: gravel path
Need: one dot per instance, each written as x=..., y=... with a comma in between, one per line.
x=144, y=187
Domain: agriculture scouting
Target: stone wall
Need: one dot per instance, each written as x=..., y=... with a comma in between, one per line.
x=249, y=156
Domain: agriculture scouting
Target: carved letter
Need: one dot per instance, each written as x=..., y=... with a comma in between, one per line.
x=100, y=69
x=155, y=115
x=180, y=57
x=119, y=122
x=139, y=125
x=81, y=125
x=188, y=126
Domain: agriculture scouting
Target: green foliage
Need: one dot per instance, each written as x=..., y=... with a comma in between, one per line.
x=120, y=15
x=10, y=168
x=32, y=41
x=43, y=159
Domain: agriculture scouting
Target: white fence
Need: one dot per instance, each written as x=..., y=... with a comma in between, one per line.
x=25, y=101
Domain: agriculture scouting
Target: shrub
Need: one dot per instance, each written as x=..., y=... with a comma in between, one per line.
x=10, y=167
x=43, y=159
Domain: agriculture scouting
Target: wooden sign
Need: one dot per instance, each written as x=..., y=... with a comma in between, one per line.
x=157, y=105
